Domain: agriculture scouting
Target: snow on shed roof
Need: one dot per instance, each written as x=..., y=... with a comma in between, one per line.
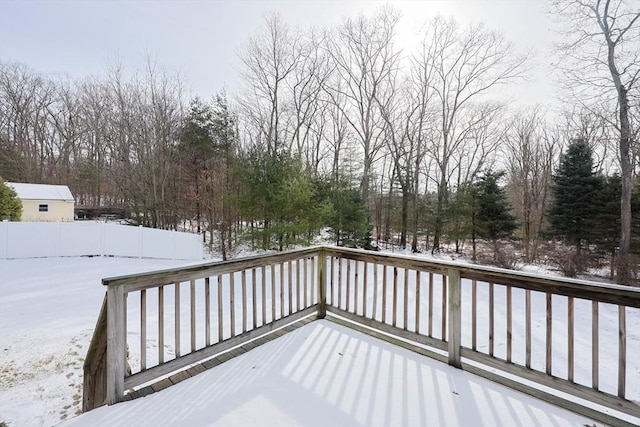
x=41, y=191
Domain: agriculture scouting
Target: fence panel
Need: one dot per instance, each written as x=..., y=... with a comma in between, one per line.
x=61, y=239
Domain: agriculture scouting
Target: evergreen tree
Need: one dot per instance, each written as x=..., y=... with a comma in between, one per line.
x=575, y=188
x=196, y=147
x=492, y=219
x=606, y=229
x=349, y=216
x=10, y=205
x=607, y=219
x=279, y=199
x=460, y=215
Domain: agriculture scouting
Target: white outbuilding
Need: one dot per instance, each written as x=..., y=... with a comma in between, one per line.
x=44, y=202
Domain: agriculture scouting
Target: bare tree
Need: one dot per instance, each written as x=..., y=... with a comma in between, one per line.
x=466, y=64
x=530, y=150
x=601, y=50
x=364, y=57
x=25, y=97
x=269, y=59
x=306, y=86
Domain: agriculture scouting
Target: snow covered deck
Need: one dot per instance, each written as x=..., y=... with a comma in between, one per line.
x=325, y=374
x=48, y=310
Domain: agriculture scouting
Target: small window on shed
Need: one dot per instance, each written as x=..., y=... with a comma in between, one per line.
x=43, y=208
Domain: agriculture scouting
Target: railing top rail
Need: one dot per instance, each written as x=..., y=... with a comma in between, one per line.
x=604, y=292
x=150, y=279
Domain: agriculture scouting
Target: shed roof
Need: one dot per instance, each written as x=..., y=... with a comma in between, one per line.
x=27, y=191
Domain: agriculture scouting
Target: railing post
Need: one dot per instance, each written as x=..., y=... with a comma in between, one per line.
x=116, y=346
x=455, y=317
x=322, y=284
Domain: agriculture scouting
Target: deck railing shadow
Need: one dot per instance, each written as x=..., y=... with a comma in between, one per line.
x=435, y=308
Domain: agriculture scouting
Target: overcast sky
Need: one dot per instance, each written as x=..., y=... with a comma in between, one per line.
x=200, y=39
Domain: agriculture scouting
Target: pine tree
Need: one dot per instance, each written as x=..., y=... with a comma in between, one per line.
x=280, y=199
x=492, y=218
x=349, y=217
x=572, y=214
x=460, y=215
x=10, y=205
x=606, y=230
x=196, y=147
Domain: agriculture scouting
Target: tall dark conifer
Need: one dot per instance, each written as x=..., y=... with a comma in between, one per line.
x=493, y=219
x=573, y=214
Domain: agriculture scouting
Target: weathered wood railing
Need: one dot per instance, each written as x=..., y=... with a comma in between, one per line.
x=513, y=328
x=482, y=319
x=229, y=303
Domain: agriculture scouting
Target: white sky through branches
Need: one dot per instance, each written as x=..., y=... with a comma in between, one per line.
x=200, y=39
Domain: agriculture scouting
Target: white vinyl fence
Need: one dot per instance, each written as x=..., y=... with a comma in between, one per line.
x=60, y=239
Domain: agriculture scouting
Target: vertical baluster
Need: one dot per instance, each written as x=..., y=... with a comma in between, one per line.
x=298, y=287
x=243, y=278
x=375, y=291
x=305, y=282
x=528, y=328
x=161, y=325
x=207, y=311
x=232, y=305
x=177, y=318
x=254, y=299
x=320, y=260
x=192, y=295
x=220, y=308
x=549, y=336
x=339, y=284
x=491, y=319
x=570, y=318
x=143, y=329
x=332, y=260
x=474, y=315
x=125, y=316
x=595, y=347
x=365, y=284
x=509, y=318
x=263, y=295
x=273, y=292
x=384, y=293
x=405, y=303
x=282, y=288
x=622, y=350
x=394, y=312
x=355, y=285
x=444, y=308
x=417, y=329
x=290, y=286
x=430, y=304
x=348, y=284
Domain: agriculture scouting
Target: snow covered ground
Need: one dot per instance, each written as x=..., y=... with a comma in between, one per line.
x=48, y=309
x=49, y=306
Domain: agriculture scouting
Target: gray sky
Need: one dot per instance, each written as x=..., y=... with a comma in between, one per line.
x=200, y=39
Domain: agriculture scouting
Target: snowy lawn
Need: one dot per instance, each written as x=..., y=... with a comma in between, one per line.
x=48, y=309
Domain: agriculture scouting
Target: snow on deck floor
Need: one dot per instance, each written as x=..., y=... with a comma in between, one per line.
x=324, y=374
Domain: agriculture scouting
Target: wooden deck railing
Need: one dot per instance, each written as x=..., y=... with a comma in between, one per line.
x=513, y=328
x=229, y=303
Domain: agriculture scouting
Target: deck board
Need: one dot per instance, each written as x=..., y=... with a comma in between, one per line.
x=324, y=373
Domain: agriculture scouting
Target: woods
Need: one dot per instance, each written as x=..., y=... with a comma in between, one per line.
x=343, y=129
